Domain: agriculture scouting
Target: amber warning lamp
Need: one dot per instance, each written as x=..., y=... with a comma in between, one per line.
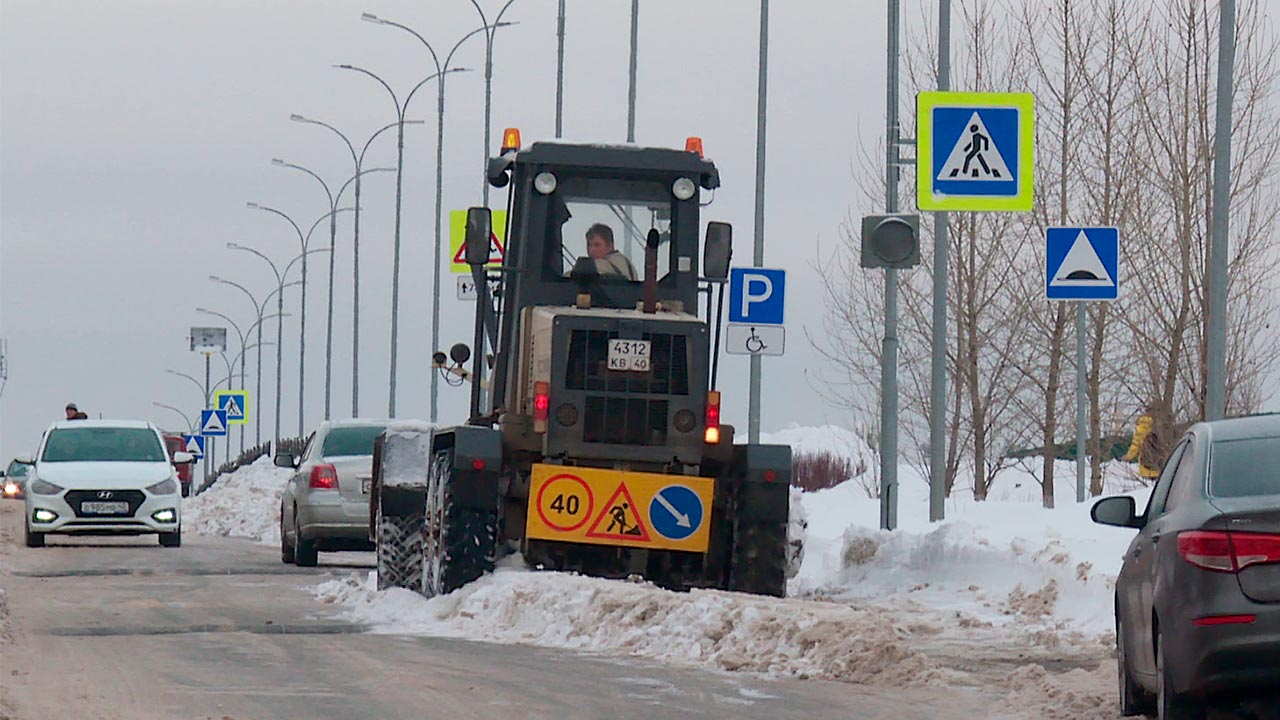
x=510, y=140
x=693, y=145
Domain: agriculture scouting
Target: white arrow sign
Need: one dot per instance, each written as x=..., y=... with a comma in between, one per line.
x=681, y=519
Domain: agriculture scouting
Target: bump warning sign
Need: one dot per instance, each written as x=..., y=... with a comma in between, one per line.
x=609, y=507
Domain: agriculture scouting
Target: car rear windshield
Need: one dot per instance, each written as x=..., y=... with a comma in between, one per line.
x=350, y=441
x=1242, y=468
x=103, y=444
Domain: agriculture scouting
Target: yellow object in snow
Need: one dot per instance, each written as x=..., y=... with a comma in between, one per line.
x=1141, y=432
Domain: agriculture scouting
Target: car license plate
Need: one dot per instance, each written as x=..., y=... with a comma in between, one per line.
x=629, y=355
x=105, y=508
x=365, y=484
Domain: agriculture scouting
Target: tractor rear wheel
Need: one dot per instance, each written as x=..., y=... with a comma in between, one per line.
x=459, y=542
x=399, y=551
x=758, y=564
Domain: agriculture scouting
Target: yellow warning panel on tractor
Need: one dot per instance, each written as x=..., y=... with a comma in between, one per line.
x=611, y=507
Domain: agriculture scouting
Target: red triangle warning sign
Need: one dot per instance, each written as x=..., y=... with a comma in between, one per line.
x=496, y=251
x=619, y=519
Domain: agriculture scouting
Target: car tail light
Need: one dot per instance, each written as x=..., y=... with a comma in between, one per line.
x=541, y=405
x=712, y=435
x=324, y=477
x=1228, y=552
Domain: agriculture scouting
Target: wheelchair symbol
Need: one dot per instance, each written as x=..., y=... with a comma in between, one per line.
x=754, y=343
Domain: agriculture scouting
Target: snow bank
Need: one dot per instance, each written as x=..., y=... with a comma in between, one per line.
x=244, y=503
x=726, y=631
x=1000, y=560
x=406, y=455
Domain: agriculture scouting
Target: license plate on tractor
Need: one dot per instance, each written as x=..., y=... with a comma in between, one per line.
x=629, y=355
x=105, y=508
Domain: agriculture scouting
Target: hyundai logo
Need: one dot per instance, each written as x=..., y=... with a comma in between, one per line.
x=105, y=494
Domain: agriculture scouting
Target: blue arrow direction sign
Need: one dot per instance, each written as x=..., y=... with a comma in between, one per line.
x=194, y=444
x=1082, y=263
x=757, y=295
x=676, y=512
x=213, y=423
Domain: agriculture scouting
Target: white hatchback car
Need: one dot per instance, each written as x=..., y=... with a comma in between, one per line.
x=103, y=477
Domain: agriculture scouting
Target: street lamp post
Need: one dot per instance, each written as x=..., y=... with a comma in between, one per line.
x=334, y=199
x=303, y=240
x=259, y=308
x=358, y=160
x=280, y=286
x=435, y=278
x=401, y=109
x=490, y=30
x=191, y=428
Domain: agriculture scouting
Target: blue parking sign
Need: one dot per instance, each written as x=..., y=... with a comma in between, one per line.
x=756, y=295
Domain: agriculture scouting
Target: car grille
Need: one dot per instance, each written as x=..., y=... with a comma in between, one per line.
x=75, y=498
x=588, y=365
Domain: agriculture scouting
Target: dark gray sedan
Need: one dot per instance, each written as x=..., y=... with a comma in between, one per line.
x=325, y=505
x=1198, y=596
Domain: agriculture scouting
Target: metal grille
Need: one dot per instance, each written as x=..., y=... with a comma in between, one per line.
x=625, y=421
x=135, y=498
x=588, y=367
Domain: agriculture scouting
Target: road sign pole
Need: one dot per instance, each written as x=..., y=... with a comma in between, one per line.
x=1216, y=380
x=1082, y=319
x=206, y=404
x=938, y=361
x=753, y=391
x=889, y=347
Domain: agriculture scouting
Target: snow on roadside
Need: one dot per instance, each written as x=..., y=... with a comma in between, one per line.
x=726, y=631
x=244, y=503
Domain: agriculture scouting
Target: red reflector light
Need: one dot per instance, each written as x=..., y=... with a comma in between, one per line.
x=324, y=477
x=477, y=464
x=712, y=434
x=541, y=405
x=1224, y=620
x=770, y=476
x=1229, y=552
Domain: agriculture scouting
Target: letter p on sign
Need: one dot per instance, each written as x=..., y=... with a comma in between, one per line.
x=756, y=295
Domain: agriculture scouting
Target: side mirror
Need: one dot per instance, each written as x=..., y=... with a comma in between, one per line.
x=182, y=457
x=285, y=460
x=717, y=251
x=479, y=231
x=25, y=460
x=1118, y=511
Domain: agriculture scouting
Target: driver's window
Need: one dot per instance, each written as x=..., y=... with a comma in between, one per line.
x=1160, y=494
x=611, y=228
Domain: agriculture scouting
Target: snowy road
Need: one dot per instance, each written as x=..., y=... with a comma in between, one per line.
x=121, y=628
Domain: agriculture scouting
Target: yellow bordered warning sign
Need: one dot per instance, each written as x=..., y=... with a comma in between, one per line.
x=610, y=507
x=458, y=234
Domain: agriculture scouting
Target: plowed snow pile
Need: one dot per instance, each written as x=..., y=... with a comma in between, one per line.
x=726, y=631
x=244, y=503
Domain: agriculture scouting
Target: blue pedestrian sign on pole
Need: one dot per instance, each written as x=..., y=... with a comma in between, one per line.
x=1082, y=263
x=213, y=423
x=756, y=295
x=976, y=151
x=676, y=512
x=236, y=403
x=194, y=444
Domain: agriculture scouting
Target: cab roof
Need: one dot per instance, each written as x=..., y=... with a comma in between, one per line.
x=621, y=157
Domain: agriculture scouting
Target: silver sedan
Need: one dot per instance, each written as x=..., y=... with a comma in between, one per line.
x=325, y=506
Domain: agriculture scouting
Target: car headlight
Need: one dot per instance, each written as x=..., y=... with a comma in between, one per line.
x=164, y=487
x=42, y=487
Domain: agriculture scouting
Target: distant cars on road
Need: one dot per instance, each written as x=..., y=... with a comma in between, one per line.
x=103, y=477
x=325, y=505
x=1198, y=596
x=13, y=481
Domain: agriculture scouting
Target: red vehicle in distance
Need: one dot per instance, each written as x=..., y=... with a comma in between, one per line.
x=173, y=444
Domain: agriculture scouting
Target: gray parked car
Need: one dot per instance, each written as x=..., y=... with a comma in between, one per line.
x=1198, y=596
x=325, y=505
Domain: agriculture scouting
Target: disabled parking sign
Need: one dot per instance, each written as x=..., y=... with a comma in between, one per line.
x=975, y=151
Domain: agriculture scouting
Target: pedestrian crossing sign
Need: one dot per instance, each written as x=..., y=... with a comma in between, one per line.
x=236, y=403
x=975, y=151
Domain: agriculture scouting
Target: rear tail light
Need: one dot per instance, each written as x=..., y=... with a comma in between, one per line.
x=1228, y=552
x=712, y=435
x=541, y=405
x=324, y=477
